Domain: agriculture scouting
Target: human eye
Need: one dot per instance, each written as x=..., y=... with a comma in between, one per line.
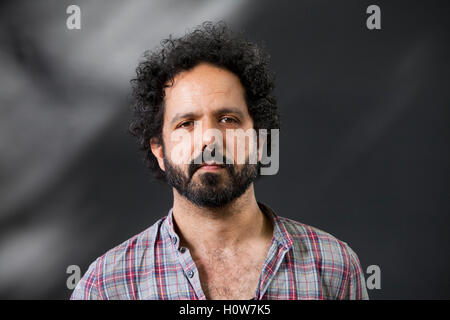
x=227, y=119
x=186, y=124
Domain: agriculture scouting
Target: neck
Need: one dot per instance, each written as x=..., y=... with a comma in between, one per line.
x=238, y=224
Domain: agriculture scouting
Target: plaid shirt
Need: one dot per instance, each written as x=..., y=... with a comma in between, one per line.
x=303, y=262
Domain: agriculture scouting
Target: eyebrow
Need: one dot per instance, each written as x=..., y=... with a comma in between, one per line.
x=185, y=115
x=179, y=116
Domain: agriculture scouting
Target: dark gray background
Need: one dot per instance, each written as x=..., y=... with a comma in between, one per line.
x=364, y=141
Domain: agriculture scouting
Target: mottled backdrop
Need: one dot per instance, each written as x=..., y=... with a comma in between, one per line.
x=364, y=142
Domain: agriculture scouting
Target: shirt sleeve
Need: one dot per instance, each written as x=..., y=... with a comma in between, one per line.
x=87, y=289
x=356, y=289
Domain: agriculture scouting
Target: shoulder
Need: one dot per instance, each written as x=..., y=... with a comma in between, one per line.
x=117, y=266
x=131, y=248
x=325, y=249
x=332, y=262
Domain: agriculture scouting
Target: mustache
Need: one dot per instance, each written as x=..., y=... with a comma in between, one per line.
x=197, y=163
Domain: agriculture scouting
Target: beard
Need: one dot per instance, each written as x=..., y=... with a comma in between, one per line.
x=212, y=190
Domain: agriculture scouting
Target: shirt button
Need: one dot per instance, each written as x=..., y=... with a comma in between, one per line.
x=174, y=240
x=190, y=273
x=182, y=249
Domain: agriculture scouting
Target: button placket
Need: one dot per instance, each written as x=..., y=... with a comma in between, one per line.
x=190, y=273
x=187, y=265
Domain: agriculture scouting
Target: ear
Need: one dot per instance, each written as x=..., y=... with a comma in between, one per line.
x=157, y=150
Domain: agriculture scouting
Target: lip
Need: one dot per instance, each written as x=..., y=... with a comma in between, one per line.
x=211, y=167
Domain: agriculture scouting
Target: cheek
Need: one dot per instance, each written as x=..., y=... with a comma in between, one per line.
x=179, y=147
x=241, y=146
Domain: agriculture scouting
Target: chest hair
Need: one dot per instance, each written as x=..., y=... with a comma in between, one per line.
x=225, y=275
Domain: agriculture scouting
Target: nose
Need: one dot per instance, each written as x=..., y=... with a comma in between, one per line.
x=211, y=134
x=211, y=148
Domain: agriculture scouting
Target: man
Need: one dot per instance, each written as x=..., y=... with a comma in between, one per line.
x=217, y=242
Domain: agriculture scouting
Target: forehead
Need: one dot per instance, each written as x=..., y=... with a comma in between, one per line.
x=204, y=88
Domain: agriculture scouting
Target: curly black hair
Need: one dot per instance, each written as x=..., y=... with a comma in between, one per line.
x=212, y=43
